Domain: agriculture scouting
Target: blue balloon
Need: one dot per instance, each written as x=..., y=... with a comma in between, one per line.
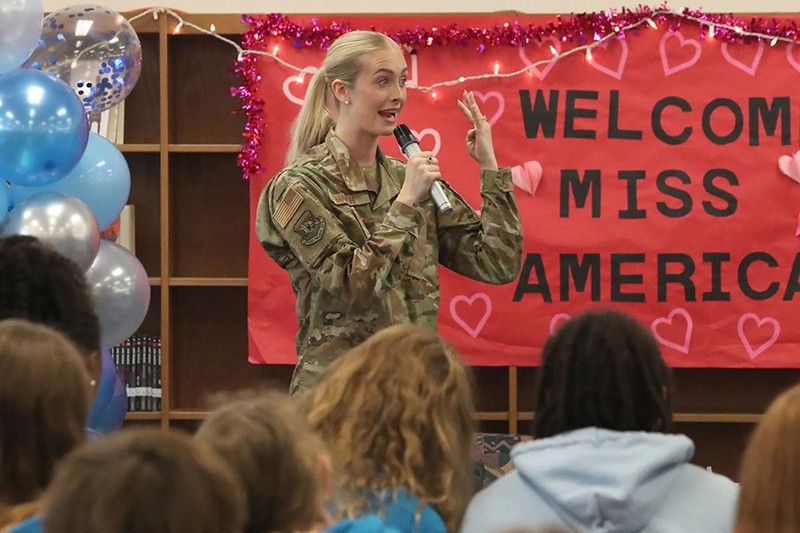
x=5, y=201
x=101, y=179
x=111, y=401
x=43, y=128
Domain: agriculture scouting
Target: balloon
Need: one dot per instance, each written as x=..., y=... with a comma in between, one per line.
x=111, y=401
x=94, y=50
x=20, y=27
x=43, y=128
x=63, y=222
x=121, y=292
x=5, y=199
x=101, y=179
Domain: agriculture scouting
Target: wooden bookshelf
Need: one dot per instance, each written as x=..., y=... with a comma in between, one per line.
x=192, y=228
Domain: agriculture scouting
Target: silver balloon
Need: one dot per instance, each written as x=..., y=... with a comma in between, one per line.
x=20, y=27
x=94, y=50
x=61, y=221
x=121, y=292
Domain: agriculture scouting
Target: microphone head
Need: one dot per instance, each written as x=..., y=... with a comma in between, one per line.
x=404, y=136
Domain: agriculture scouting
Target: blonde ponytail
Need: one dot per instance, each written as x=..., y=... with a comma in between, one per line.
x=313, y=121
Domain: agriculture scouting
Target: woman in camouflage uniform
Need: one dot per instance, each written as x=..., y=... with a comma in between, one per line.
x=356, y=230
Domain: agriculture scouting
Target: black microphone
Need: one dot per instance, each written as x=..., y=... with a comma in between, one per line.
x=410, y=146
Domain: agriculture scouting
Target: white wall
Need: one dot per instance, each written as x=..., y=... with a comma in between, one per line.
x=426, y=6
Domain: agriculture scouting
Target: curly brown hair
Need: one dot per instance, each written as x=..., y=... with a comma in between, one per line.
x=397, y=413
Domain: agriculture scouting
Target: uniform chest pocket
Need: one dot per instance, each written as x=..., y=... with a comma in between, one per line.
x=354, y=213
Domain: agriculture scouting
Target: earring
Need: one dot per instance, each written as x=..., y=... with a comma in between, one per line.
x=93, y=383
x=347, y=102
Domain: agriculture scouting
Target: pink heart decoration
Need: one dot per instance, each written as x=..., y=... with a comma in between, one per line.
x=527, y=176
x=541, y=73
x=667, y=323
x=301, y=79
x=790, y=57
x=556, y=321
x=741, y=65
x=483, y=297
x=492, y=95
x=797, y=231
x=790, y=165
x=748, y=346
x=437, y=139
x=682, y=42
x=598, y=55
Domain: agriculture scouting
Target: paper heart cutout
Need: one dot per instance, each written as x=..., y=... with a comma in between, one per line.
x=492, y=95
x=556, y=321
x=683, y=41
x=527, y=176
x=597, y=60
x=556, y=43
x=797, y=230
x=291, y=80
x=437, y=139
x=469, y=300
x=790, y=57
x=790, y=165
x=741, y=65
x=667, y=322
x=748, y=346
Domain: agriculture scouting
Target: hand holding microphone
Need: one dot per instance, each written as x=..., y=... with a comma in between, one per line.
x=422, y=171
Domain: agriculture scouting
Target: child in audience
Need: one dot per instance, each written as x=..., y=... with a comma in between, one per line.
x=282, y=463
x=144, y=481
x=770, y=471
x=396, y=413
x=39, y=284
x=603, y=458
x=44, y=402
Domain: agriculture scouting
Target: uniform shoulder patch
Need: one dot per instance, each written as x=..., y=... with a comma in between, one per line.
x=287, y=207
x=310, y=228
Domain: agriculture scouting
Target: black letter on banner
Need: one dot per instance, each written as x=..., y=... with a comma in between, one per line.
x=685, y=197
x=744, y=282
x=614, y=131
x=632, y=211
x=769, y=115
x=793, y=285
x=738, y=124
x=542, y=115
x=618, y=278
x=730, y=200
x=684, y=277
x=655, y=120
x=716, y=294
x=533, y=262
x=571, y=269
x=570, y=179
x=571, y=113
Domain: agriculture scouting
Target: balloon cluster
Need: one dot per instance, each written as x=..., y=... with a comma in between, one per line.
x=59, y=182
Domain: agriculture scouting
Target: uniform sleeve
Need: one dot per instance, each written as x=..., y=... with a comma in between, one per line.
x=486, y=248
x=292, y=218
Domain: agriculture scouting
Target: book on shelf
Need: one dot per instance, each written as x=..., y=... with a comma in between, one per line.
x=109, y=123
x=138, y=361
x=120, y=124
x=123, y=230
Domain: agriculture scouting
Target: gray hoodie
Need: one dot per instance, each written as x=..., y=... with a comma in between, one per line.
x=602, y=481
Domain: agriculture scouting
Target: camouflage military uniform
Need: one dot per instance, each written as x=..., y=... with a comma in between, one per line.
x=360, y=262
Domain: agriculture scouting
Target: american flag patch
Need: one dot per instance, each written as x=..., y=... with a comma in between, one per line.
x=287, y=207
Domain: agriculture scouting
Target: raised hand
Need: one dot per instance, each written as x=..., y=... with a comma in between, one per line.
x=479, y=137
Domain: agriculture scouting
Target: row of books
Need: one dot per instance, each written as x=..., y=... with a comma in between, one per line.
x=138, y=361
x=110, y=123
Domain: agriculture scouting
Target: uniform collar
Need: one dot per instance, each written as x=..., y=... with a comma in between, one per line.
x=353, y=175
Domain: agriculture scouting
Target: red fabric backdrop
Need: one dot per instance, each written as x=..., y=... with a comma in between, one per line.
x=660, y=192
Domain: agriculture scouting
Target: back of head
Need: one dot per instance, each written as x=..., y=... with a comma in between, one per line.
x=397, y=412
x=140, y=481
x=770, y=472
x=602, y=369
x=343, y=61
x=44, y=403
x=39, y=284
x=269, y=445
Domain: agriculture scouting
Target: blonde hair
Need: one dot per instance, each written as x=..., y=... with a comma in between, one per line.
x=44, y=404
x=397, y=413
x=342, y=62
x=770, y=472
x=270, y=446
x=144, y=480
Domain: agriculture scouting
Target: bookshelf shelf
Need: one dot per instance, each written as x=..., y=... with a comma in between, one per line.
x=188, y=415
x=138, y=415
x=154, y=282
x=205, y=148
x=142, y=148
x=208, y=282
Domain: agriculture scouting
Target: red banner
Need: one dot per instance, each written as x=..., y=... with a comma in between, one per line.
x=657, y=174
